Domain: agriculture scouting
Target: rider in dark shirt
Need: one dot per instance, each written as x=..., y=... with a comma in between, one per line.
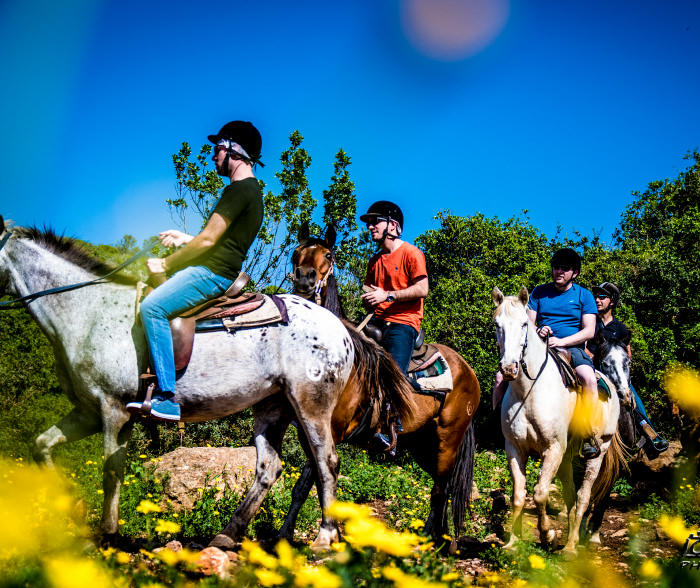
x=607, y=297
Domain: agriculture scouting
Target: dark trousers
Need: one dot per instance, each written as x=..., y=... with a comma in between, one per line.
x=398, y=340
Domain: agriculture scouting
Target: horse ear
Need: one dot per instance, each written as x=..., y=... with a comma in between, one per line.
x=497, y=296
x=330, y=236
x=626, y=340
x=523, y=296
x=2, y=225
x=303, y=232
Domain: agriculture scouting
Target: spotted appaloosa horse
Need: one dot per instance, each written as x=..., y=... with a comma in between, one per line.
x=438, y=433
x=536, y=419
x=293, y=371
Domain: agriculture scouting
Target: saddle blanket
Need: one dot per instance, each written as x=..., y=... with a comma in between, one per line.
x=433, y=375
x=271, y=311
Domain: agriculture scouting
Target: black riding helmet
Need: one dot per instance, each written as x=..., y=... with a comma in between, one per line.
x=566, y=256
x=610, y=289
x=384, y=209
x=245, y=134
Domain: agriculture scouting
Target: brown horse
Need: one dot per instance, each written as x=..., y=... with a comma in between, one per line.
x=439, y=433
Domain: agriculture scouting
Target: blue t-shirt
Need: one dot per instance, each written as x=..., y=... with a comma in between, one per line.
x=562, y=311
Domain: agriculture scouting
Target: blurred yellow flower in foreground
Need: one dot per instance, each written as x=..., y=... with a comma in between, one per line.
x=73, y=572
x=318, y=577
x=537, y=562
x=146, y=506
x=167, y=527
x=35, y=510
x=650, y=569
x=683, y=387
x=257, y=555
x=269, y=578
x=403, y=580
x=362, y=530
x=675, y=528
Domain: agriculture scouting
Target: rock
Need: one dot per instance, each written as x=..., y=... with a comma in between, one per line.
x=475, y=492
x=188, y=469
x=174, y=546
x=620, y=533
x=212, y=561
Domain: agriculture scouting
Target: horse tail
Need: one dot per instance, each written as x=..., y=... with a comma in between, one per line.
x=610, y=469
x=379, y=376
x=463, y=479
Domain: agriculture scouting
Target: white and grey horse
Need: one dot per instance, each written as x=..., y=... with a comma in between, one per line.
x=293, y=371
x=536, y=418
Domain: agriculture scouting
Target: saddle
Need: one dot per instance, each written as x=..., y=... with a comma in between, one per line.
x=229, y=312
x=568, y=375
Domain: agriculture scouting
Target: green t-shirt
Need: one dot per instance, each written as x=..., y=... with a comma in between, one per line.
x=241, y=203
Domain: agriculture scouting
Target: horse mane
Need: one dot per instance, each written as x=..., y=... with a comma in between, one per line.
x=70, y=250
x=378, y=374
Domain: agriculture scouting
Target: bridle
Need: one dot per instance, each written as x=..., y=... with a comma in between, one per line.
x=521, y=361
x=320, y=284
x=16, y=303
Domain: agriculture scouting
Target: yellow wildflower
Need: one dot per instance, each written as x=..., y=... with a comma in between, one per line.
x=73, y=572
x=123, y=558
x=417, y=524
x=257, y=555
x=449, y=577
x=146, y=506
x=674, y=528
x=318, y=577
x=683, y=387
x=403, y=580
x=650, y=569
x=167, y=527
x=537, y=562
x=268, y=578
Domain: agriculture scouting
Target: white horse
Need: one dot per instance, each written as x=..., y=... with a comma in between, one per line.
x=536, y=419
x=293, y=371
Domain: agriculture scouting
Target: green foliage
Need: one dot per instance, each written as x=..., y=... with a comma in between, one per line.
x=466, y=258
x=195, y=185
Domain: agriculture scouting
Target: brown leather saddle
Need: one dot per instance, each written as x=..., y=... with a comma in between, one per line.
x=216, y=315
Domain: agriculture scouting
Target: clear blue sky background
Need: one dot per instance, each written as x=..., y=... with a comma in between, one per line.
x=561, y=108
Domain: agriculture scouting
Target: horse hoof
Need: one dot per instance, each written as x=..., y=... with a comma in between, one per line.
x=223, y=542
x=569, y=553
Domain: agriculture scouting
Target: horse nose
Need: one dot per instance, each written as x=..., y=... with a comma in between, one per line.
x=510, y=371
x=305, y=275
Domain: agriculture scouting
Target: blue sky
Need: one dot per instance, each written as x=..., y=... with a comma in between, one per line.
x=560, y=108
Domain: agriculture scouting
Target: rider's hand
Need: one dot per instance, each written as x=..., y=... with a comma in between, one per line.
x=155, y=265
x=174, y=238
x=375, y=297
x=544, y=331
x=555, y=342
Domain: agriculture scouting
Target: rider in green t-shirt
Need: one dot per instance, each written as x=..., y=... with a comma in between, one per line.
x=205, y=265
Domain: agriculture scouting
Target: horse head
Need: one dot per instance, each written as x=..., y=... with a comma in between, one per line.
x=614, y=362
x=510, y=318
x=313, y=262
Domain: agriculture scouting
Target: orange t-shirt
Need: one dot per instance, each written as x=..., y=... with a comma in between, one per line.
x=396, y=271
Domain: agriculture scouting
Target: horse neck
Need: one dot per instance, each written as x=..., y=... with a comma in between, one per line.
x=534, y=356
x=34, y=269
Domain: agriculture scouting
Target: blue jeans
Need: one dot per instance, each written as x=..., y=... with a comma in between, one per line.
x=639, y=406
x=398, y=340
x=183, y=291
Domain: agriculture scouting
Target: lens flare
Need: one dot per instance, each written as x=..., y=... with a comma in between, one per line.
x=453, y=30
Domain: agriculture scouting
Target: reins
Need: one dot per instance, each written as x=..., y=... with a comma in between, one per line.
x=17, y=302
x=523, y=365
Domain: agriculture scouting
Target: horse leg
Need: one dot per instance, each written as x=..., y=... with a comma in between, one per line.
x=551, y=458
x=76, y=425
x=583, y=497
x=300, y=492
x=516, y=464
x=117, y=426
x=566, y=475
x=272, y=417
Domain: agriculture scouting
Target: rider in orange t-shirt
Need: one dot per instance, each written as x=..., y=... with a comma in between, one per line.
x=400, y=280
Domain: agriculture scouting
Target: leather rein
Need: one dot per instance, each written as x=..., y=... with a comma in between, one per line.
x=523, y=365
x=17, y=302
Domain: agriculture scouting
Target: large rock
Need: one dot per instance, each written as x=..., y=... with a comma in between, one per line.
x=664, y=462
x=193, y=469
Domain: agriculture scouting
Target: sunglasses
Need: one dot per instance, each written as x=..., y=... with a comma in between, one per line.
x=601, y=296
x=376, y=220
x=564, y=268
x=219, y=148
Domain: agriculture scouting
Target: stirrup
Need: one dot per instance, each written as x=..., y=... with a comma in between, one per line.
x=145, y=409
x=593, y=442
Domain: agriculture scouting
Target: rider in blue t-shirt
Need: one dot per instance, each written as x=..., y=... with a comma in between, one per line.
x=567, y=313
